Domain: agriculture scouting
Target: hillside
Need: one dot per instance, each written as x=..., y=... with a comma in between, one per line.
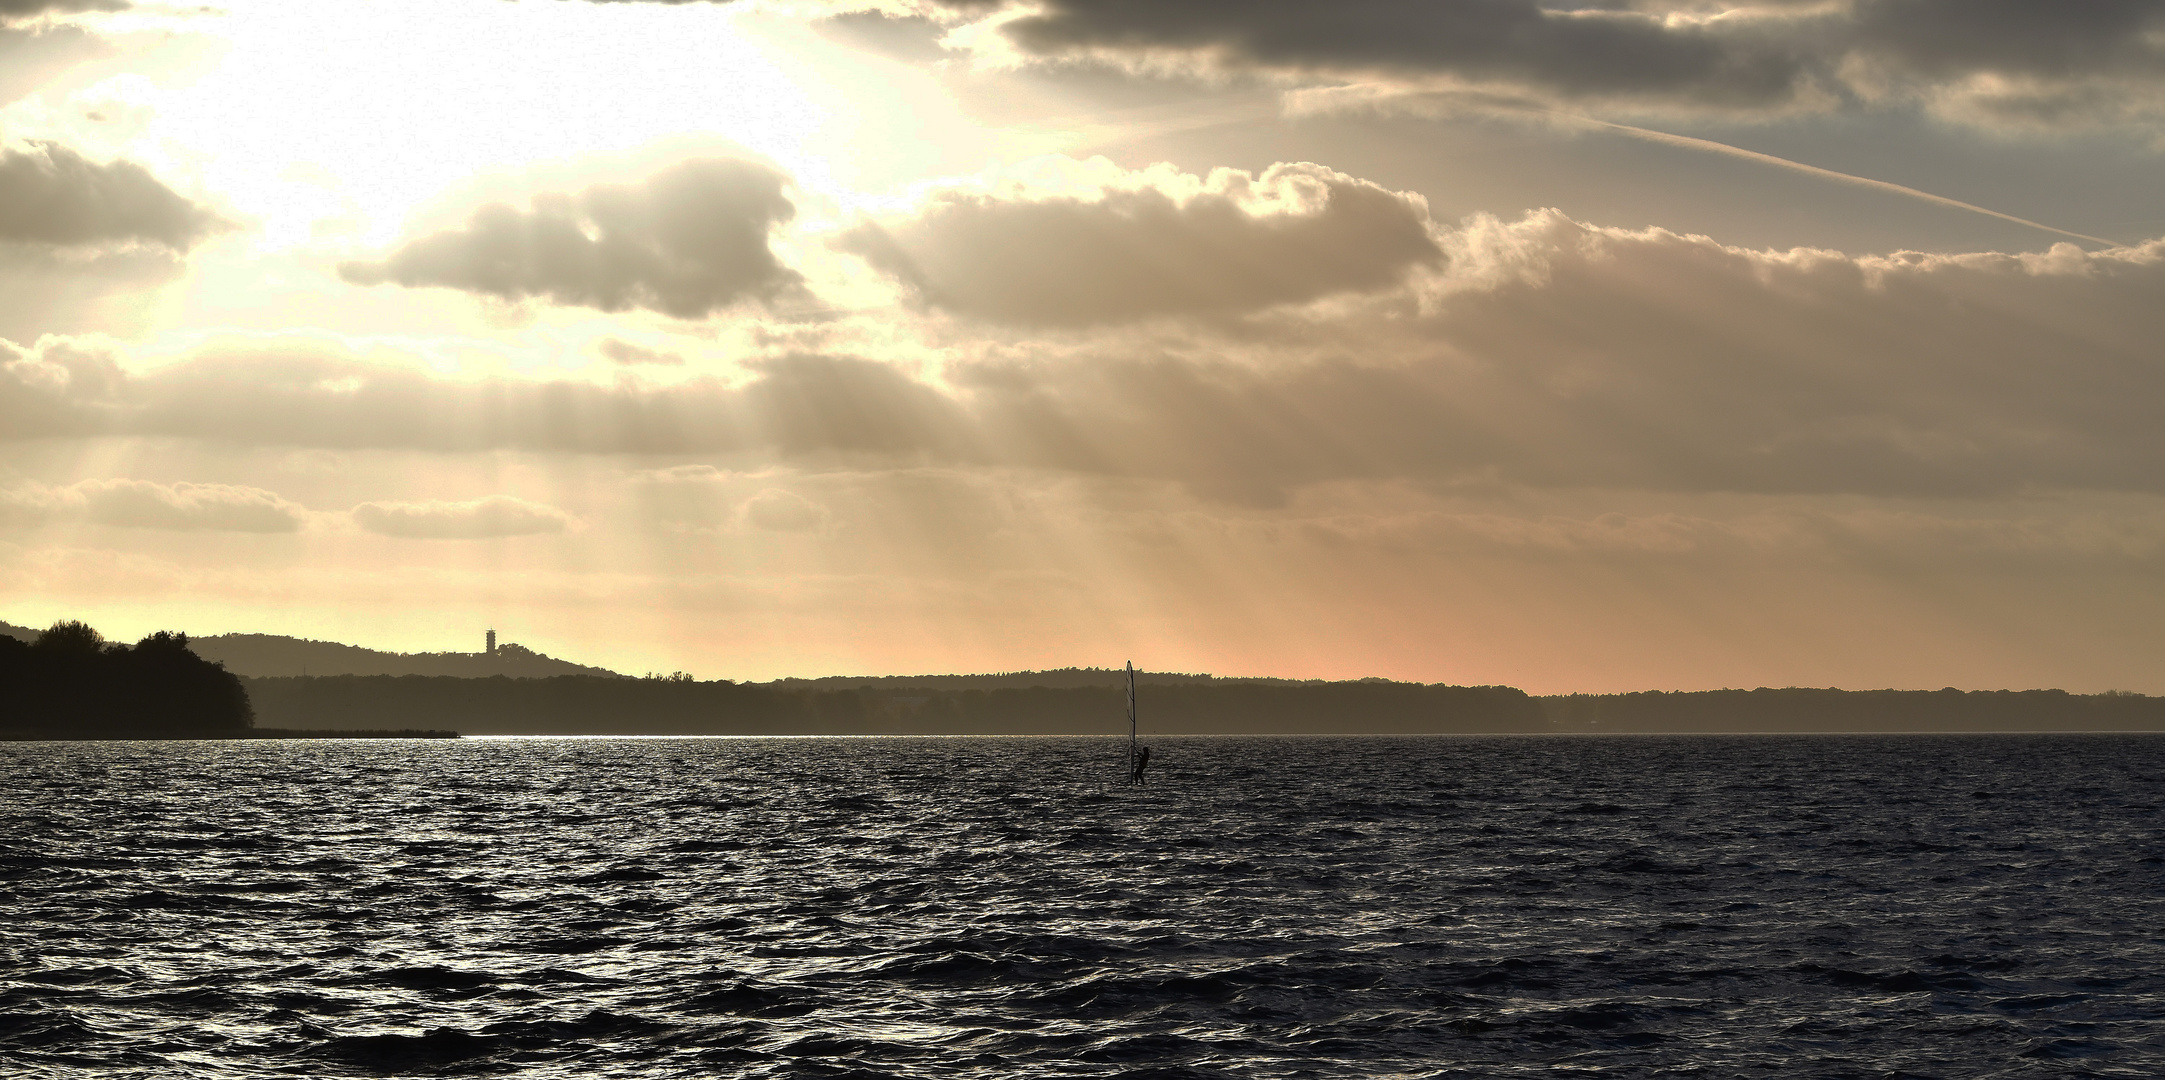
x=274, y=655
x=1055, y=679
x=260, y=656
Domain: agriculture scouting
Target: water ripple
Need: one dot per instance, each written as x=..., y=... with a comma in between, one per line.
x=1801, y=906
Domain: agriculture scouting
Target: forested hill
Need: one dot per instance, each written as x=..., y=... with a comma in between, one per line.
x=270, y=655
x=1056, y=679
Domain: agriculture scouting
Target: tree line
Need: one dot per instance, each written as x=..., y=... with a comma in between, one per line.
x=587, y=705
x=70, y=683
x=1805, y=709
x=584, y=705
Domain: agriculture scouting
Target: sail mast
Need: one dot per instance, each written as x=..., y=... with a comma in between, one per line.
x=1131, y=718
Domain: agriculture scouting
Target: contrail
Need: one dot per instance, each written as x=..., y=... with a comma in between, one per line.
x=1712, y=147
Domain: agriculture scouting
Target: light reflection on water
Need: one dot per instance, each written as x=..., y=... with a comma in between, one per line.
x=867, y=906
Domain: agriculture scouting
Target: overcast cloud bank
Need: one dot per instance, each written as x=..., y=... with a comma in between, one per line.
x=1996, y=64
x=475, y=519
x=1548, y=353
x=141, y=504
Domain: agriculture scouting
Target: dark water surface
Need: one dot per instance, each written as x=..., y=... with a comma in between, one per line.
x=1943, y=906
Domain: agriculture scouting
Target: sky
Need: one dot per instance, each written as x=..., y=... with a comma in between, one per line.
x=1636, y=344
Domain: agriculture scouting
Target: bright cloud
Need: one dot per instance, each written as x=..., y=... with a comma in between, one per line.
x=689, y=241
x=1232, y=243
x=776, y=510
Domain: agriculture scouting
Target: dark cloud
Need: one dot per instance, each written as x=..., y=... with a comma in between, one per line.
x=1294, y=234
x=1954, y=38
x=52, y=195
x=1765, y=57
x=1576, y=53
x=690, y=240
x=2095, y=61
x=23, y=9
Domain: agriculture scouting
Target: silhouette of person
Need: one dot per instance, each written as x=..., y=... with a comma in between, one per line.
x=1142, y=761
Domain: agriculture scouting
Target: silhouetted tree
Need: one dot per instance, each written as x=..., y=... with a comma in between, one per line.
x=73, y=684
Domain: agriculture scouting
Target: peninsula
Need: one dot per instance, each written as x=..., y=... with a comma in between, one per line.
x=68, y=682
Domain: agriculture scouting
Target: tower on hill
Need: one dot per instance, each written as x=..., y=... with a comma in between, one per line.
x=492, y=643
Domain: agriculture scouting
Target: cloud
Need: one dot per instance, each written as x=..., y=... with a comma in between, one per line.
x=689, y=241
x=775, y=510
x=1986, y=62
x=29, y=58
x=141, y=504
x=23, y=9
x=1561, y=355
x=497, y=515
x=60, y=389
x=1545, y=354
x=1957, y=38
x=624, y=352
x=810, y=406
x=1571, y=53
x=702, y=497
x=1790, y=533
x=51, y=195
x=300, y=393
x=1160, y=244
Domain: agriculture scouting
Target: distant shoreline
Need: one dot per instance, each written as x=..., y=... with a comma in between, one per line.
x=582, y=705
x=256, y=733
x=365, y=733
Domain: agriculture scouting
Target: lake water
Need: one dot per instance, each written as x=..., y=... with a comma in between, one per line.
x=1943, y=906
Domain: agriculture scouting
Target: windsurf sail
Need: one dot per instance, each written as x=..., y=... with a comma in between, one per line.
x=1135, y=772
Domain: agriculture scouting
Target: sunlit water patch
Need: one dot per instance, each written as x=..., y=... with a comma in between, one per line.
x=1808, y=906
